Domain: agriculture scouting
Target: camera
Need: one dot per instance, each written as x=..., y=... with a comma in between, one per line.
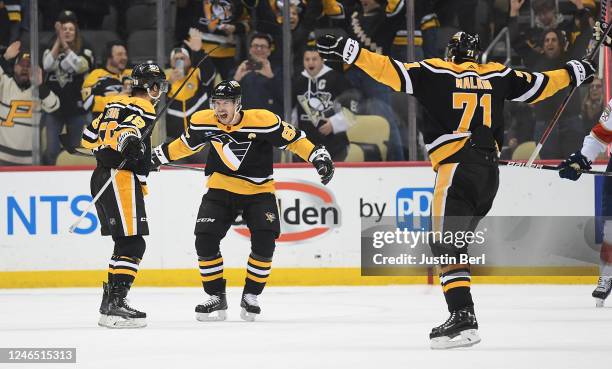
x=253, y=64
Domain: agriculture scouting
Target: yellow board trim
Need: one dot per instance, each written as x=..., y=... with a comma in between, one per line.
x=280, y=277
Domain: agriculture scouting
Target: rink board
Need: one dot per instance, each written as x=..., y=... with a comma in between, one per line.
x=320, y=244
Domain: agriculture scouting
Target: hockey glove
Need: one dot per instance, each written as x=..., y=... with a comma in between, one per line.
x=158, y=157
x=569, y=168
x=130, y=146
x=335, y=48
x=322, y=161
x=580, y=71
x=598, y=31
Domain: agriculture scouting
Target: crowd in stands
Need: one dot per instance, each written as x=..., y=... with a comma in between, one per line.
x=86, y=50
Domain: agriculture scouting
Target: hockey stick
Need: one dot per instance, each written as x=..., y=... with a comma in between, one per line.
x=521, y=164
x=144, y=135
x=590, y=56
x=63, y=138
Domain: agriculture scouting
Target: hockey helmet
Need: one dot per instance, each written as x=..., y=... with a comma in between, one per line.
x=463, y=47
x=147, y=75
x=227, y=90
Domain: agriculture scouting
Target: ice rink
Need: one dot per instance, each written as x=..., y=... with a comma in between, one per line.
x=530, y=326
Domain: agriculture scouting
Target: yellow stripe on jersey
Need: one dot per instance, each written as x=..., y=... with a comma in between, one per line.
x=302, y=148
x=557, y=80
x=177, y=149
x=238, y=185
x=480, y=69
x=445, y=151
x=381, y=68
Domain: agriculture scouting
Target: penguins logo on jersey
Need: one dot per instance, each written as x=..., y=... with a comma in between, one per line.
x=230, y=151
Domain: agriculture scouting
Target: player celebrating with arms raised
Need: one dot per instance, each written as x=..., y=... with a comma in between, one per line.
x=464, y=130
x=240, y=182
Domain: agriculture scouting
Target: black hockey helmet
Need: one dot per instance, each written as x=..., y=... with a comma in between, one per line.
x=147, y=75
x=463, y=47
x=227, y=90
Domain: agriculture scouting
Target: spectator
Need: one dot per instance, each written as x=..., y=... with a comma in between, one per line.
x=111, y=80
x=194, y=96
x=568, y=132
x=65, y=63
x=369, y=23
x=592, y=105
x=17, y=106
x=547, y=18
x=260, y=82
x=221, y=22
x=316, y=96
x=10, y=22
x=425, y=32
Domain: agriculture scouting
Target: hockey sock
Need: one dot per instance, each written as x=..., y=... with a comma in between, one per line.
x=211, y=271
x=123, y=269
x=455, y=280
x=258, y=271
x=111, y=267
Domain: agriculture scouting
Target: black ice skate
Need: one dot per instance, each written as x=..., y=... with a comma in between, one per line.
x=213, y=309
x=602, y=291
x=459, y=330
x=104, y=305
x=250, y=307
x=120, y=314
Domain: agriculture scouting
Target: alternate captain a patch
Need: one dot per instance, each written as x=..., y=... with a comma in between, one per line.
x=230, y=151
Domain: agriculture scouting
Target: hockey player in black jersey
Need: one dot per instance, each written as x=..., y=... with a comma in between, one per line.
x=240, y=181
x=464, y=128
x=114, y=136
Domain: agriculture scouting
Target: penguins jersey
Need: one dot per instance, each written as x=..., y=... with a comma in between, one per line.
x=100, y=86
x=121, y=114
x=459, y=98
x=241, y=156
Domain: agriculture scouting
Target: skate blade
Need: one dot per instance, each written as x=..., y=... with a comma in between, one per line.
x=117, y=322
x=212, y=317
x=466, y=338
x=599, y=302
x=246, y=316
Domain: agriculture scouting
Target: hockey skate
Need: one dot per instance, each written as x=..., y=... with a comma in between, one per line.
x=250, y=307
x=213, y=309
x=120, y=314
x=602, y=291
x=459, y=330
x=104, y=305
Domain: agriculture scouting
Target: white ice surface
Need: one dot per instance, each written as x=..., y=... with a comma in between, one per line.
x=316, y=327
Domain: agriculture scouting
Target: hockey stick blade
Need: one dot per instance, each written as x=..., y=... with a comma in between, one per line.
x=522, y=164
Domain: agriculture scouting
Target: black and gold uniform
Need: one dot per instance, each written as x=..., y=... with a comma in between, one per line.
x=121, y=208
x=116, y=136
x=100, y=86
x=463, y=131
x=240, y=181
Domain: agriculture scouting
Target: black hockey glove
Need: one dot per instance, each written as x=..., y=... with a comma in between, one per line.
x=130, y=147
x=158, y=157
x=322, y=161
x=336, y=48
x=580, y=71
x=569, y=168
x=598, y=31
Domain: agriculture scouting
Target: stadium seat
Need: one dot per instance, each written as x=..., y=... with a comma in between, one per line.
x=142, y=46
x=355, y=154
x=142, y=17
x=97, y=42
x=371, y=133
x=67, y=159
x=524, y=150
